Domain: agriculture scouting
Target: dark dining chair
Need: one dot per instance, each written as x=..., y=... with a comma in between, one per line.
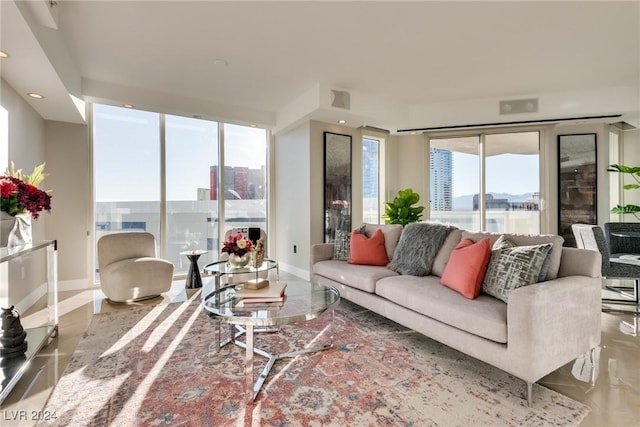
x=592, y=237
x=623, y=239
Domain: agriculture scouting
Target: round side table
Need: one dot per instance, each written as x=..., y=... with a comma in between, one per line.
x=193, y=277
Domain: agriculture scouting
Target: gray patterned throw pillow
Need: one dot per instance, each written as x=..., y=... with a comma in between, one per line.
x=342, y=245
x=513, y=266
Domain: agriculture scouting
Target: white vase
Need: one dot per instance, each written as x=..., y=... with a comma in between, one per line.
x=16, y=230
x=6, y=225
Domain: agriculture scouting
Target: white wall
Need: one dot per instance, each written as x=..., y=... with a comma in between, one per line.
x=68, y=163
x=22, y=279
x=292, y=199
x=408, y=166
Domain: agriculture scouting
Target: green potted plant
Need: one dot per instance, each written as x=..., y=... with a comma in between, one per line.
x=634, y=171
x=401, y=211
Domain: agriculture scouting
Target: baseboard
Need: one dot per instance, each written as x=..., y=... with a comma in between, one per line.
x=65, y=285
x=32, y=298
x=304, y=274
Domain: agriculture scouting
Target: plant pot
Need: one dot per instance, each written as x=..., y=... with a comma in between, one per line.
x=15, y=230
x=236, y=261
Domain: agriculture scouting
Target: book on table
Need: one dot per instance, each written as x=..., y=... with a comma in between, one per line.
x=272, y=293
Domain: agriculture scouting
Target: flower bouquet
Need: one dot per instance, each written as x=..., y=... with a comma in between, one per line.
x=239, y=249
x=21, y=200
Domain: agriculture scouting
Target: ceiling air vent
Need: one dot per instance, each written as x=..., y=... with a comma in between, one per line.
x=518, y=106
x=340, y=99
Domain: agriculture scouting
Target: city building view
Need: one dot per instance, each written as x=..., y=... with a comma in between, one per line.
x=510, y=204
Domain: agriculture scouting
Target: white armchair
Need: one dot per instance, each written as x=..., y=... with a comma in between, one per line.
x=129, y=268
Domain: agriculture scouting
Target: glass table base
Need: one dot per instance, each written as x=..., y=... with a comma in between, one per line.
x=236, y=331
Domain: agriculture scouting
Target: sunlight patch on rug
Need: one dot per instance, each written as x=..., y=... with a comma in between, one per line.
x=168, y=372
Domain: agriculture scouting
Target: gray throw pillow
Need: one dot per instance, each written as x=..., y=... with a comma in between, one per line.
x=503, y=242
x=418, y=246
x=513, y=266
x=342, y=245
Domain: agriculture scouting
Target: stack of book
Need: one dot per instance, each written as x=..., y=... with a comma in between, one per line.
x=272, y=293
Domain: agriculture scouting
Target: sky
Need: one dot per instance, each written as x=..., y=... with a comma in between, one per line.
x=507, y=173
x=126, y=142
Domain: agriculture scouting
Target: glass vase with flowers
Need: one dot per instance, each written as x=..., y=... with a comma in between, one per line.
x=239, y=248
x=20, y=201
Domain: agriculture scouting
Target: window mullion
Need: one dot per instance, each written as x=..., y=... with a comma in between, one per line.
x=482, y=193
x=221, y=184
x=163, y=187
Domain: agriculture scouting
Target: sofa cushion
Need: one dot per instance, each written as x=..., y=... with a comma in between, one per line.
x=444, y=253
x=391, y=233
x=419, y=244
x=528, y=240
x=368, y=251
x=466, y=267
x=363, y=277
x=484, y=316
x=513, y=266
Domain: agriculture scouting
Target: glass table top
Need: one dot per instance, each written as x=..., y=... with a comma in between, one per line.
x=222, y=267
x=303, y=301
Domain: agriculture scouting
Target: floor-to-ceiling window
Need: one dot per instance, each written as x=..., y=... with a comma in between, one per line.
x=163, y=174
x=191, y=147
x=371, y=180
x=488, y=182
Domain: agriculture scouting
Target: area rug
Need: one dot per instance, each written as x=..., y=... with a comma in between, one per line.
x=158, y=366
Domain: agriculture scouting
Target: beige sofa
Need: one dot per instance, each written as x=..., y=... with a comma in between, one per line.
x=542, y=327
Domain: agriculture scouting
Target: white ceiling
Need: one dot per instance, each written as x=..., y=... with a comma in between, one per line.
x=260, y=60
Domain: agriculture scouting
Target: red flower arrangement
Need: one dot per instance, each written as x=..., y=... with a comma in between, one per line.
x=18, y=196
x=238, y=245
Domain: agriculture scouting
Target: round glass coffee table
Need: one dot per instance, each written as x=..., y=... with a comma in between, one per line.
x=304, y=301
x=223, y=268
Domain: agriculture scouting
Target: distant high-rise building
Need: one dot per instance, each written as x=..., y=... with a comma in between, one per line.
x=370, y=167
x=441, y=182
x=239, y=182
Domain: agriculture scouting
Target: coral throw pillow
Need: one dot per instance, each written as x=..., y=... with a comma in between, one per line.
x=466, y=267
x=368, y=251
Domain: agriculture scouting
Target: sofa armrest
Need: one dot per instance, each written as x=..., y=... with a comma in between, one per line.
x=580, y=262
x=551, y=323
x=321, y=252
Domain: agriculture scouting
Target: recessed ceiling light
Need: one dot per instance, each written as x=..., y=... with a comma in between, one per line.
x=35, y=95
x=342, y=122
x=127, y=105
x=220, y=62
x=3, y=54
x=253, y=125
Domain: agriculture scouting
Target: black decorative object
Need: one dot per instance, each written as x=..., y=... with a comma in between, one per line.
x=193, y=276
x=577, y=183
x=337, y=187
x=12, y=341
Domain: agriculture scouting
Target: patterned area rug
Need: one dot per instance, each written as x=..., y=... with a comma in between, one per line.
x=157, y=366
